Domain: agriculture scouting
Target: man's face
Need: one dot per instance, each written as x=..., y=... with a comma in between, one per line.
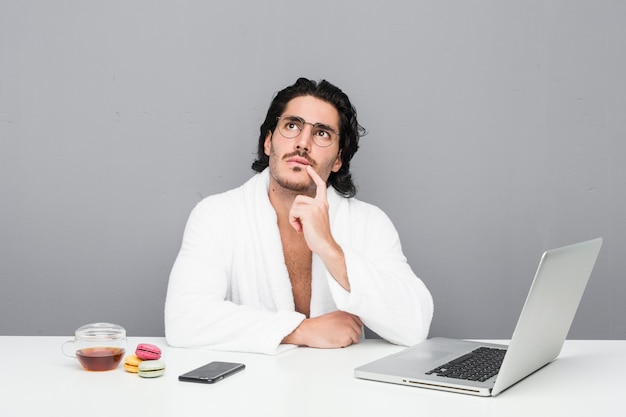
x=288, y=157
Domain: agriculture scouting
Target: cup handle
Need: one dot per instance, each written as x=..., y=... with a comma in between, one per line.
x=73, y=355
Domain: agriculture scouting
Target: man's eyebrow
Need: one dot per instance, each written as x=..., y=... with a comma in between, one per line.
x=325, y=126
x=290, y=117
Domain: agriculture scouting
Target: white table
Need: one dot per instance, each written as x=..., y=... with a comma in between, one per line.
x=37, y=380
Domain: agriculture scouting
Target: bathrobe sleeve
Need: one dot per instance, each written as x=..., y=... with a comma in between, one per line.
x=385, y=292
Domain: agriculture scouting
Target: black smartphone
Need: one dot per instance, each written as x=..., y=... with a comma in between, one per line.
x=212, y=372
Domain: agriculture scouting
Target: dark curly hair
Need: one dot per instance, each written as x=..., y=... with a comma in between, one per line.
x=349, y=130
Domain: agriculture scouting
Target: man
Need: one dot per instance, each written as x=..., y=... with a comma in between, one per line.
x=290, y=258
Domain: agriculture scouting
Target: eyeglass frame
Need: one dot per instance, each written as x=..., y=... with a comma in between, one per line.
x=319, y=126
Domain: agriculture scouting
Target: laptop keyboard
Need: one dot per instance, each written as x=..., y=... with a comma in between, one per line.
x=478, y=365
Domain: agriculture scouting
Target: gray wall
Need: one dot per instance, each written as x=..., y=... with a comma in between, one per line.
x=496, y=131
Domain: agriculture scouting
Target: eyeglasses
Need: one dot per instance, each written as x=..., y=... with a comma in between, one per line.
x=291, y=127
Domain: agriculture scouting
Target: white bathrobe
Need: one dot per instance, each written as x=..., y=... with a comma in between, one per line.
x=229, y=288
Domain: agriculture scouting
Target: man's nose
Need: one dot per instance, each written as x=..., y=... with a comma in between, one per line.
x=305, y=139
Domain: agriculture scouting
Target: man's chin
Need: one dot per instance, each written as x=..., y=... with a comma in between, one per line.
x=299, y=186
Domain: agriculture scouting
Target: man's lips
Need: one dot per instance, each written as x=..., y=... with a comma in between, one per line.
x=298, y=160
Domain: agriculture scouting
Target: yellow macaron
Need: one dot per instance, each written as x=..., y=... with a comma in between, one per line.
x=131, y=364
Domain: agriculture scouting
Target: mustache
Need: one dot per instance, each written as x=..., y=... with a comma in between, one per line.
x=301, y=154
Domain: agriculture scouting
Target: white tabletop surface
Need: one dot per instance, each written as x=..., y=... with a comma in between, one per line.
x=37, y=380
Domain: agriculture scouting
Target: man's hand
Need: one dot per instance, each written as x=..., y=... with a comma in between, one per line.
x=333, y=330
x=310, y=216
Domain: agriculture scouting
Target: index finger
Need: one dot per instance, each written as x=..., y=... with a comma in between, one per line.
x=320, y=194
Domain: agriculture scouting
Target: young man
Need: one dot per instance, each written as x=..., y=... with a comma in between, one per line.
x=290, y=258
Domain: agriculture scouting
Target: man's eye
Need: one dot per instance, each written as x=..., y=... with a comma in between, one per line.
x=291, y=126
x=324, y=134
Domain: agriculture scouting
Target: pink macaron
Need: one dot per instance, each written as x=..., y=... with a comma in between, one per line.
x=148, y=352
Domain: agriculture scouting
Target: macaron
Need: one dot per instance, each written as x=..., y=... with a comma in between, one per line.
x=151, y=368
x=131, y=363
x=148, y=352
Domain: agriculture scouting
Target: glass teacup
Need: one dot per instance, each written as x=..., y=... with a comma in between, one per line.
x=98, y=346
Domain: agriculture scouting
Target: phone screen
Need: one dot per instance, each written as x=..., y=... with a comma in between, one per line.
x=212, y=372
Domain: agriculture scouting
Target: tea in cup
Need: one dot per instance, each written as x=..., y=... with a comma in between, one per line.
x=98, y=346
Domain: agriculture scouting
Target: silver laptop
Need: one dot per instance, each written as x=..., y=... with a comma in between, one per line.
x=450, y=364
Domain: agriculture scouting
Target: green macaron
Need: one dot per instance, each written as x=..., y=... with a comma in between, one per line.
x=151, y=369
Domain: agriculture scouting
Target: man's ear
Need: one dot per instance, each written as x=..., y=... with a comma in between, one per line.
x=268, y=142
x=338, y=163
